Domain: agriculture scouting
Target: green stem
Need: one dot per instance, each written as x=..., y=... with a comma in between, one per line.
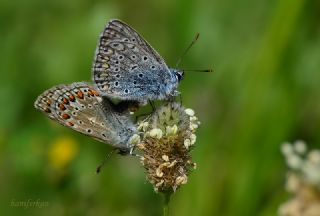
x=166, y=200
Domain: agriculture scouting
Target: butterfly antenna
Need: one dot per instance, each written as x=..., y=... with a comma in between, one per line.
x=99, y=168
x=188, y=48
x=201, y=70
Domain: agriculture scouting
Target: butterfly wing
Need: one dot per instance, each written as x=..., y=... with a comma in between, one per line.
x=128, y=68
x=80, y=107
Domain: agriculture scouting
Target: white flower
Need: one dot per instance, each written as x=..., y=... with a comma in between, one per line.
x=159, y=172
x=193, y=118
x=187, y=143
x=314, y=156
x=312, y=173
x=193, y=126
x=171, y=130
x=300, y=147
x=181, y=180
x=286, y=149
x=193, y=139
x=165, y=158
x=143, y=126
x=135, y=139
x=156, y=133
x=294, y=161
x=189, y=112
x=293, y=183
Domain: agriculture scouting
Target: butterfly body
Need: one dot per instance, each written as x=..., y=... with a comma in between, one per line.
x=128, y=68
x=80, y=106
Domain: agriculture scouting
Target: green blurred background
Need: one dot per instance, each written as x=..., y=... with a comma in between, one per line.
x=264, y=91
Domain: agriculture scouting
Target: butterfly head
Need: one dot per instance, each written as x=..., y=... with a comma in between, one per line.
x=178, y=73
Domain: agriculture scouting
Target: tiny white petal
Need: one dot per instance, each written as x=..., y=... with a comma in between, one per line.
x=294, y=161
x=193, y=138
x=165, y=157
x=194, y=165
x=171, y=130
x=314, y=156
x=311, y=172
x=156, y=133
x=193, y=126
x=172, y=164
x=189, y=112
x=181, y=180
x=300, y=146
x=193, y=118
x=187, y=143
x=159, y=172
x=143, y=126
x=135, y=139
x=159, y=184
x=292, y=183
x=286, y=149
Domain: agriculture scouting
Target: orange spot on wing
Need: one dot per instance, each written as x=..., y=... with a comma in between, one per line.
x=65, y=101
x=90, y=92
x=80, y=94
x=61, y=106
x=95, y=92
x=72, y=98
x=65, y=116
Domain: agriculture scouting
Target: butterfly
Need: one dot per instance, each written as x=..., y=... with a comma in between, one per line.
x=81, y=107
x=128, y=68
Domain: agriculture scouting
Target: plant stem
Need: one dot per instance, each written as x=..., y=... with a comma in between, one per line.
x=166, y=200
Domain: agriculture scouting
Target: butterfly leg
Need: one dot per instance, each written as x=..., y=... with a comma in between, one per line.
x=133, y=154
x=141, y=115
x=99, y=168
x=180, y=99
x=152, y=105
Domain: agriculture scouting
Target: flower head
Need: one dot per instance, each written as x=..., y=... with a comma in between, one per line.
x=167, y=137
x=303, y=180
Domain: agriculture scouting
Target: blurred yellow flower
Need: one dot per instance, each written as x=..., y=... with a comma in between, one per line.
x=62, y=151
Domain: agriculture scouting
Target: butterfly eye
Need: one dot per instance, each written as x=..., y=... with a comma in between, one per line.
x=153, y=67
x=133, y=39
x=120, y=57
x=133, y=57
x=116, y=69
x=118, y=75
x=126, y=91
x=135, y=82
x=145, y=58
x=116, y=83
x=126, y=40
x=89, y=130
x=140, y=75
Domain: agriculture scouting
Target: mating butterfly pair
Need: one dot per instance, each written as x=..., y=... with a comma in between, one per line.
x=125, y=67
